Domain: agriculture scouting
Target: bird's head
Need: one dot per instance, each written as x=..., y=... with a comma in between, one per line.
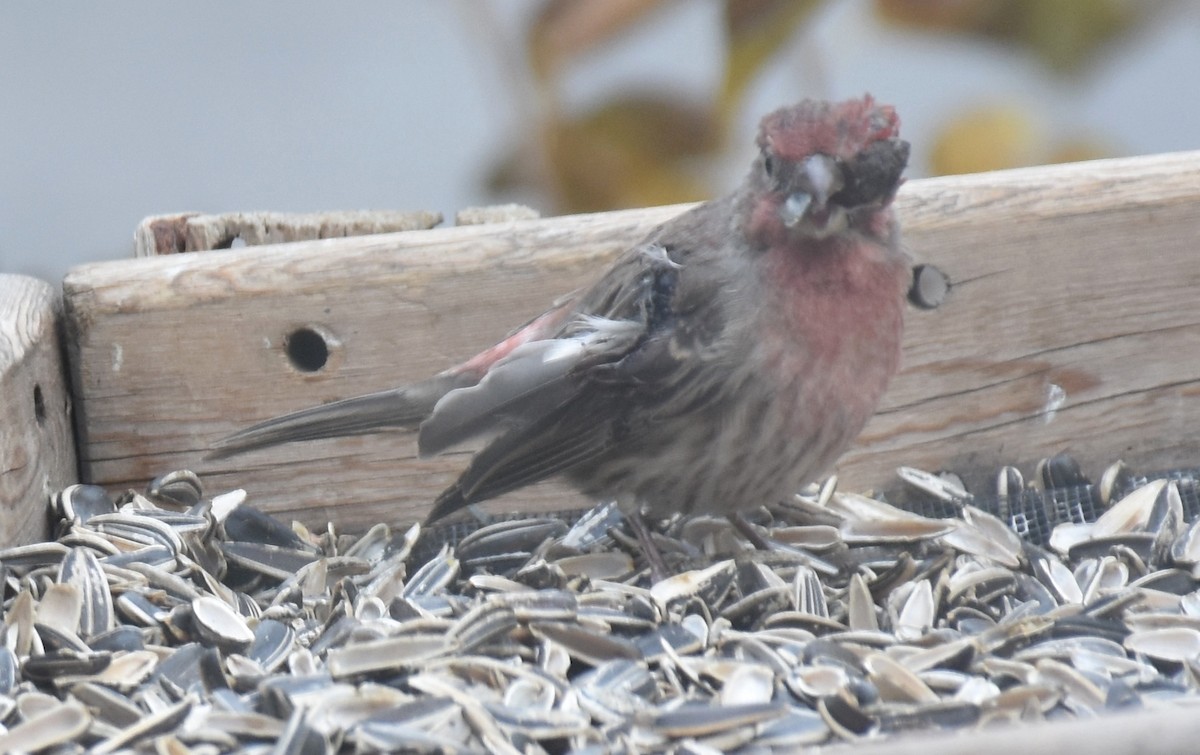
x=824, y=167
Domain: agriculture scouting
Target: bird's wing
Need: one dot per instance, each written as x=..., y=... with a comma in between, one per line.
x=559, y=402
x=531, y=381
x=399, y=408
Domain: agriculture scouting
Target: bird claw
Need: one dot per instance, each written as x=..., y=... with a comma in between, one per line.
x=654, y=557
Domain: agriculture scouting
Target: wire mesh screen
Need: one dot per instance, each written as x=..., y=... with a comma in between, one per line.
x=1032, y=514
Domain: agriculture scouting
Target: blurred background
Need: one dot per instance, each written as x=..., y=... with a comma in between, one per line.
x=110, y=112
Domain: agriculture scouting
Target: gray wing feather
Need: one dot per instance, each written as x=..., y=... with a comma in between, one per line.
x=558, y=403
x=528, y=384
x=525, y=456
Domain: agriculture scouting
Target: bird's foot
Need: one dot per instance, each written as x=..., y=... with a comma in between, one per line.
x=742, y=525
x=658, y=567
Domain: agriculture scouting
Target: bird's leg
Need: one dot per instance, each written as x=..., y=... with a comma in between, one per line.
x=743, y=526
x=658, y=567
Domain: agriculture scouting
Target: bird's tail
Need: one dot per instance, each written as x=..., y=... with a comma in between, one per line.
x=400, y=408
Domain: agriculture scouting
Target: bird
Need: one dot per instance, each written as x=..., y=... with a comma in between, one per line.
x=718, y=365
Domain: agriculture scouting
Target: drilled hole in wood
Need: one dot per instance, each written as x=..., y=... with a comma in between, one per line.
x=39, y=405
x=306, y=349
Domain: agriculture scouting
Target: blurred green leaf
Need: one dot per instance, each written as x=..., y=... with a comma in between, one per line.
x=1064, y=34
x=996, y=137
x=635, y=151
x=755, y=30
x=941, y=15
x=564, y=29
x=983, y=139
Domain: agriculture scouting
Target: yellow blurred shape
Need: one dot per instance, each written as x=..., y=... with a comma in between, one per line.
x=1078, y=149
x=985, y=138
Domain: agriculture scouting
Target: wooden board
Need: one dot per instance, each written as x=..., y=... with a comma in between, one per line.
x=37, y=449
x=1163, y=730
x=195, y=232
x=1072, y=325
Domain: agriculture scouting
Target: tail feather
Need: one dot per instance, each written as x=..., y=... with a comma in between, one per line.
x=447, y=503
x=400, y=408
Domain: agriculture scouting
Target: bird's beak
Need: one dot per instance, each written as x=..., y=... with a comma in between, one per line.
x=794, y=208
x=822, y=179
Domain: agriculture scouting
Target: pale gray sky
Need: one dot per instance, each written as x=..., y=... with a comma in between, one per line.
x=113, y=111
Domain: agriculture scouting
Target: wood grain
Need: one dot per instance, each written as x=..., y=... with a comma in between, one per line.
x=1162, y=730
x=37, y=450
x=194, y=232
x=1072, y=325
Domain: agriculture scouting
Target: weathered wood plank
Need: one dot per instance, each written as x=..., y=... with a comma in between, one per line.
x=37, y=448
x=1161, y=730
x=194, y=232
x=1071, y=325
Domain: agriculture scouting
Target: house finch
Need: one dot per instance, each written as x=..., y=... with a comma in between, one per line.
x=717, y=366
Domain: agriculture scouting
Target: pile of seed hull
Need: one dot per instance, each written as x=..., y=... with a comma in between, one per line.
x=172, y=621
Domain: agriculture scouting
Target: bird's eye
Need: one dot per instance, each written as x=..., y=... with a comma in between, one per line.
x=769, y=166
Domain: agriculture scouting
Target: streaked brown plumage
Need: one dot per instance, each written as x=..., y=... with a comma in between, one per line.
x=717, y=366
